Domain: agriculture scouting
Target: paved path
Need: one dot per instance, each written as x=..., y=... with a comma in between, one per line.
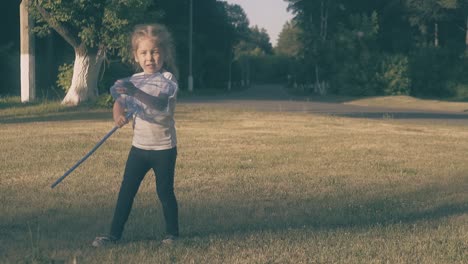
x=274, y=98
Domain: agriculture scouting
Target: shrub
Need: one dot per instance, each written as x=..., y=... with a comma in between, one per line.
x=356, y=76
x=64, y=77
x=269, y=68
x=431, y=70
x=104, y=101
x=394, y=75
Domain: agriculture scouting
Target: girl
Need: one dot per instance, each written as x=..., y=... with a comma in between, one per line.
x=151, y=96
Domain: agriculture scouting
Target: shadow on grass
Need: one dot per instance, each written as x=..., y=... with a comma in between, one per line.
x=16, y=103
x=258, y=98
x=70, y=115
x=404, y=115
x=336, y=212
x=77, y=224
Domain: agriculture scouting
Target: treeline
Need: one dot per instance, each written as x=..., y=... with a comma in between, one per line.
x=347, y=47
x=368, y=47
x=222, y=40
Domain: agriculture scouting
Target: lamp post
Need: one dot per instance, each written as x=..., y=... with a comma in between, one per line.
x=190, y=77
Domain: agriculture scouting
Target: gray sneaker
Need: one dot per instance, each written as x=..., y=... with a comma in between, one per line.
x=170, y=240
x=102, y=241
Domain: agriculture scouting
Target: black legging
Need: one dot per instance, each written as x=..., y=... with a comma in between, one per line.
x=139, y=162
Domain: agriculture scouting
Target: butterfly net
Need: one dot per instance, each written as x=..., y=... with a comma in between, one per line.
x=161, y=88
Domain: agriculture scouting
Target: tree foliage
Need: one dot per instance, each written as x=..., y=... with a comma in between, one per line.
x=91, y=24
x=93, y=28
x=356, y=47
x=289, y=43
x=365, y=47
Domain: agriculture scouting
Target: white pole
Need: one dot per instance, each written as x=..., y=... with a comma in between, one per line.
x=190, y=77
x=28, y=76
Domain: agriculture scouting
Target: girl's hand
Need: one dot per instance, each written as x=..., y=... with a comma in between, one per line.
x=121, y=121
x=124, y=87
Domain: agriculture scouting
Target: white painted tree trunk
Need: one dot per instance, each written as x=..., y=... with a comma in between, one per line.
x=85, y=77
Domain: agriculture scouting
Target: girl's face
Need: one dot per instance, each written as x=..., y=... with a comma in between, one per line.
x=148, y=56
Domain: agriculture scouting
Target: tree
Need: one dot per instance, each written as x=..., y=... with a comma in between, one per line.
x=92, y=28
x=213, y=37
x=239, y=23
x=261, y=40
x=9, y=48
x=289, y=43
x=319, y=21
x=247, y=42
x=427, y=13
x=460, y=13
x=238, y=20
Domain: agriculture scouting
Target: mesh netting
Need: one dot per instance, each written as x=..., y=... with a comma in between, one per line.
x=156, y=85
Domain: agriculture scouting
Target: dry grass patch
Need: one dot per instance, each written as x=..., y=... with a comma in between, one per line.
x=408, y=102
x=253, y=187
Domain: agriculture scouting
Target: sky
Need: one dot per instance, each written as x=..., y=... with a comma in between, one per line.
x=268, y=14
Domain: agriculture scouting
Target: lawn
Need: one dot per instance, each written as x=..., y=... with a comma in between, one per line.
x=253, y=187
x=409, y=102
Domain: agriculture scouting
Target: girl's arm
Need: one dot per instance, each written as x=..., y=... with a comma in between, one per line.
x=149, y=100
x=118, y=112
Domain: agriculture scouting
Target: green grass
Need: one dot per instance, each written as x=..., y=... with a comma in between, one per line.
x=253, y=187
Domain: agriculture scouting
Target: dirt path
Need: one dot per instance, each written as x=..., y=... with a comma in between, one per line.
x=275, y=98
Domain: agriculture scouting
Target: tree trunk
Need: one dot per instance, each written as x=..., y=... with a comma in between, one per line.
x=466, y=35
x=245, y=71
x=323, y=20
x=85, y=77
x=317, y=79
x=247, y=74
x=436, y=34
